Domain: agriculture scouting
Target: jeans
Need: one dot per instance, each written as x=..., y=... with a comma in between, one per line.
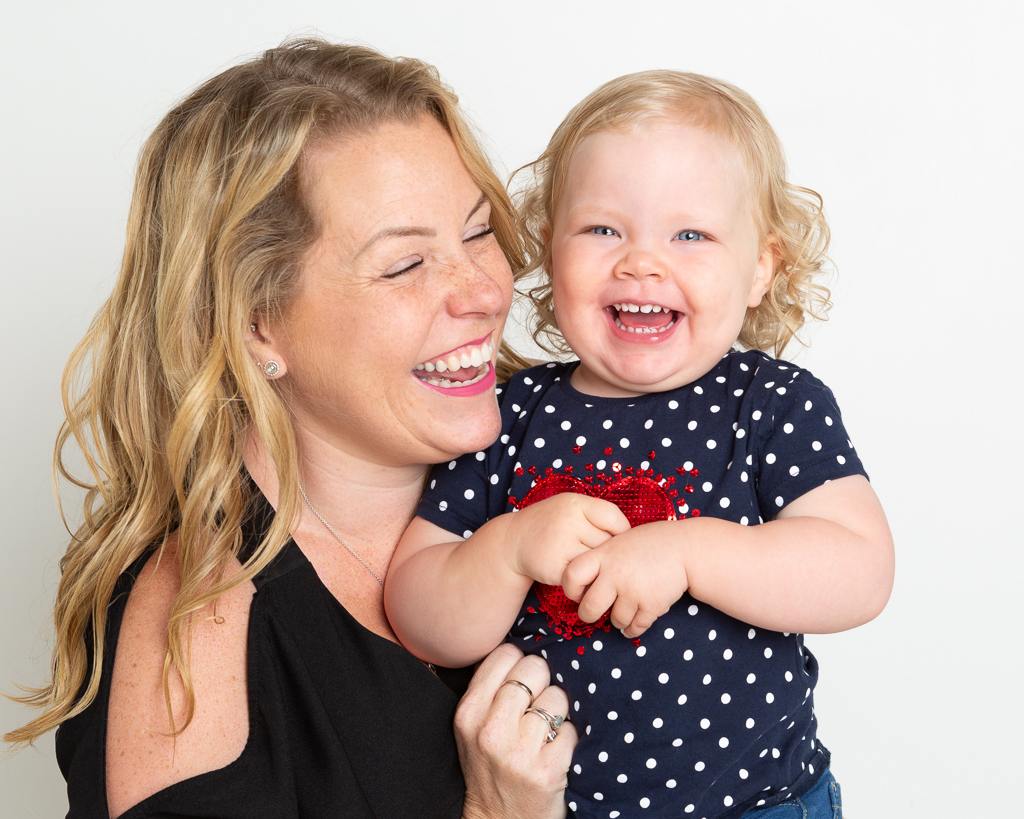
x=823, y=801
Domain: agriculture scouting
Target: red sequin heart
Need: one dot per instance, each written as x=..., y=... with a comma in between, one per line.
x=641, y=501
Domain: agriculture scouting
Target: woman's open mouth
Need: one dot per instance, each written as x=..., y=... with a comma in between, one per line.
x=642, y=318
x=463, y=367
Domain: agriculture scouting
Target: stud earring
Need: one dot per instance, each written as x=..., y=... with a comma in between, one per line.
x=252, y=328
x=271, y=368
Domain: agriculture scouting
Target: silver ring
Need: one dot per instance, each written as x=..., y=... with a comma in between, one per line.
x=552, y=721
x=522, y=685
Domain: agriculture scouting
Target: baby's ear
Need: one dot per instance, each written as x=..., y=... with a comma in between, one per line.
x=764, y=273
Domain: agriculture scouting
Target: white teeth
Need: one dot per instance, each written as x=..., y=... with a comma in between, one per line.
x=470, y=357
x=444, y=383
x=643, y=330
x=645, y=308
x=626, y=307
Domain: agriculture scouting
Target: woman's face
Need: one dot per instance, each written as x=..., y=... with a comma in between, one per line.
x=387, y=351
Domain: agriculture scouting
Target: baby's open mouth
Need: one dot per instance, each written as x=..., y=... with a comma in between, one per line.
x=462, y=367
x=643, y=318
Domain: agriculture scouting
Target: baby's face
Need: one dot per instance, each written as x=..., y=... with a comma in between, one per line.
x=655, y=257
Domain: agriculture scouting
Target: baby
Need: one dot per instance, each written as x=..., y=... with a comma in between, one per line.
x=668, y=475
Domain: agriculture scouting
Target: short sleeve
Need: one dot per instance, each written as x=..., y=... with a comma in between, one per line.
x=456, y=495
x=802, y=444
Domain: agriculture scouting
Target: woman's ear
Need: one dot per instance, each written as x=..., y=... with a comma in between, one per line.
x=265, y=353
x=764, y=272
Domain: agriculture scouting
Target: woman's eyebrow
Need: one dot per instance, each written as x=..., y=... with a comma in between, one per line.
x=479, y=204
x=412, y=230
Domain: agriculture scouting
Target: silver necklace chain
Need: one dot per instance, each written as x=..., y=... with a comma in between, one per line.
x=339, y=538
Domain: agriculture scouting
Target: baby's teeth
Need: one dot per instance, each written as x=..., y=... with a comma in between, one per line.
x=634, y=308
x=453, y=363
x=475, y=358
x=645, y=308
x=440, y=366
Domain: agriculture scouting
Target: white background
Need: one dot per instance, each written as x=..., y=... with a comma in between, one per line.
x=905, y=116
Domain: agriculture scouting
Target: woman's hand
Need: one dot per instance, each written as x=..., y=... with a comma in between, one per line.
x=511, y=771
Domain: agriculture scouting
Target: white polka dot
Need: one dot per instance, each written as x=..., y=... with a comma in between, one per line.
x=779, y=501
x=810, y=768
x=699, y=766
x=750, y=722
x=612, y=715
x=616, y=673
x=566, y=425
x=607, y=424
x=781, y=391
x=494, y=480
x=538, y=442
x=707, y=486
x=841, y=459
x=645, y=464
x=622, y=778
x=442, y=505
x=648, y=423
x=756, y=415
x=788, y=428
x=715, y=408
x=527, y=380
x=572, y=806
x=726, y=699
x=576, y=665
x=628, y=738
x=727, y=654
x=663, y=678
x=828, y=421
x=712, y=634
x=637, y=694
x=688, y=809
x=692, y=425
x=641, y=651
x=512, y=450
x=707, y=679
x=775, y=753
x=580, y=440
x=737, y=393
x=468, y=494
x=645, y=802
x=598, y=645
x=652, y=763
x=724, y=503
x=600, y=464
x=711, y=444
x=688, y=655
x=767, y=653
x=789, y=676
x=467, y=534
x=723, y=742
x=602, y=757
x=769, y=458
x=673, y=405
x=692, y=610
x=599, y=796
x=433, y=483
x=816, y=445
x=480, y=456
x=743, y=773
x=769, y=697
x=682, y=699
x=744, y=520
x=624, y=442
x=670, y=784
x=751, y=678
x=556, y=463
x=577, y=768
x=669, y=633
x=658, y=722
x=676, y=742
x=592, y=688
x=727, y=801
x=750, y=634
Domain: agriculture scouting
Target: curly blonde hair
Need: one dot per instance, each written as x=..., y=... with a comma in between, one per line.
x=793, y=215
x=161, y=394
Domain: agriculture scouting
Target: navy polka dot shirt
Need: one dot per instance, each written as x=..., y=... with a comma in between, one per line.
x=704, y=715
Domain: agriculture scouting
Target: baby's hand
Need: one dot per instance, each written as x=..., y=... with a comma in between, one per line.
x=638, y=574
x=542, y=539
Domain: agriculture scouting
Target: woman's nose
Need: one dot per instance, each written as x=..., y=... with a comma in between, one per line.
x=641, y=265
x=480, y=291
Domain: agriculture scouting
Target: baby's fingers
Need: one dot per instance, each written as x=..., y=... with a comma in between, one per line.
x=605, y=516
x=642, y=621
x=580, y=573
x=598, y=599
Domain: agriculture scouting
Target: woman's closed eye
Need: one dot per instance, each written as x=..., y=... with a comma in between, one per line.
x=690, y=235
x=403, y=266
x=481, y=233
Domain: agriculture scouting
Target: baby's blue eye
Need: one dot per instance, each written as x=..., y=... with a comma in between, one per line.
x=601, y=230
x=689, y=236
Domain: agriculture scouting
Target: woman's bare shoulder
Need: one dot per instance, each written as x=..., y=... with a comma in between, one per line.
x=142, y=757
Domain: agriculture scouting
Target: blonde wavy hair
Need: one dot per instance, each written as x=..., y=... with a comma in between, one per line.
x=793, y=214
x=161, y=393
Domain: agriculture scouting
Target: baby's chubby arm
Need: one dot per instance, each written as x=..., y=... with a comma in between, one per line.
x=825, y=563
x=451, y=601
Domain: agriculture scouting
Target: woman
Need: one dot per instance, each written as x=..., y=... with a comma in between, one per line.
x=313, y=236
